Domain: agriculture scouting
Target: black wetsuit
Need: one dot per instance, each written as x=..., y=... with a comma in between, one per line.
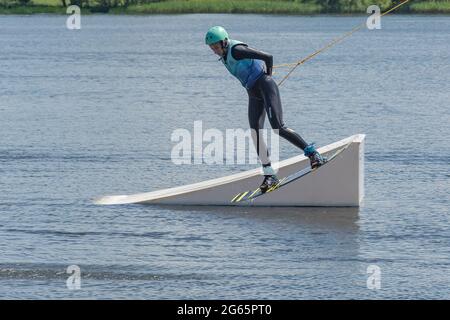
x=264, y=96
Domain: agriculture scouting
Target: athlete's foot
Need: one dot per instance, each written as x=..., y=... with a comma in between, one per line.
x=316, y=160
x=269, y=182
x=315, y=157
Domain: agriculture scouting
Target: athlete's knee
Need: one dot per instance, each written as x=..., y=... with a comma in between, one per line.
x=277, y=124
x=254, y=125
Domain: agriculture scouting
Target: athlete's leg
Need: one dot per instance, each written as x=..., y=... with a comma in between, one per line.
x=272, y=103
x=256, y=116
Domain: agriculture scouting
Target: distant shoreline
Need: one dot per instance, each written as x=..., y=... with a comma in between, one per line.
x=215, y=6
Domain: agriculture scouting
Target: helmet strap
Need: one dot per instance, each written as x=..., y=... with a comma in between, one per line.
x=224, y=45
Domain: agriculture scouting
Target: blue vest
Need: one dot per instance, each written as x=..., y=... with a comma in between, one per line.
x=247, y=71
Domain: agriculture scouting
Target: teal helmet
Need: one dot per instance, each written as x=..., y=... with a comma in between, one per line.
x=215, y=34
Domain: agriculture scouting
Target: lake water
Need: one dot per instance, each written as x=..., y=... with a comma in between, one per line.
x=90, y=112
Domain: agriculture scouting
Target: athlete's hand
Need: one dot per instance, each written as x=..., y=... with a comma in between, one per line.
x=269, y=71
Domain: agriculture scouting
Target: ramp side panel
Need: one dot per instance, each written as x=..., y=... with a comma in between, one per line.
x=339, y=183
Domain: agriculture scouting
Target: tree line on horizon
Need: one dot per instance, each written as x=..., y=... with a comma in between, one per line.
x=328, y=5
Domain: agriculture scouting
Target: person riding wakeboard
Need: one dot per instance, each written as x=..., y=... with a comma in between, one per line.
x=253, y=69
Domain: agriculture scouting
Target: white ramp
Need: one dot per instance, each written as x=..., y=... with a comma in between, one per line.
x=339, y=183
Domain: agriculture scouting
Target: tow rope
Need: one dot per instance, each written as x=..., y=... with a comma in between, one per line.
x=332, y=43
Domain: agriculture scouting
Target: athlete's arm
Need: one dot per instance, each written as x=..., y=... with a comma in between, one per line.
x=241, y=51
